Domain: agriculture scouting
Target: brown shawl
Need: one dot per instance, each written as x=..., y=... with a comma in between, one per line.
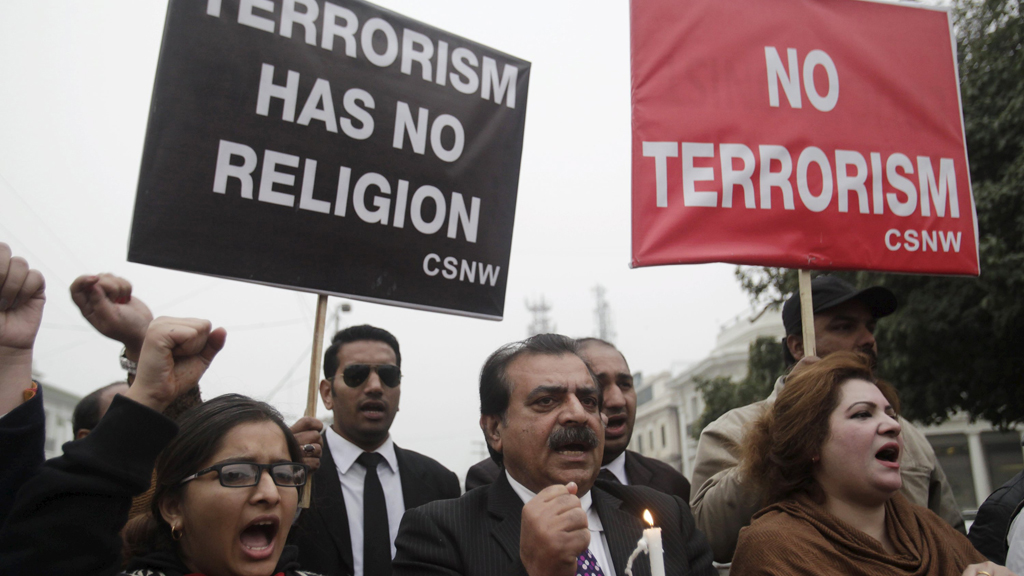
x=797, y=536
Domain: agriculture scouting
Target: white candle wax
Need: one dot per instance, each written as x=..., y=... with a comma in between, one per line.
x=653, y=538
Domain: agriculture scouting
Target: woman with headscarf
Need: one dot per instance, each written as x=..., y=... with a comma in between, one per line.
x=826, y=459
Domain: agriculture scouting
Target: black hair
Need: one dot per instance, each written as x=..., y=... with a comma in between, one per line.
x=201, y=431
x=354, y=334
x=495, y=386
x=87, y=412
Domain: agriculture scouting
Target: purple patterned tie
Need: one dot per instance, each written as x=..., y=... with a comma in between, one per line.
x=586, y=565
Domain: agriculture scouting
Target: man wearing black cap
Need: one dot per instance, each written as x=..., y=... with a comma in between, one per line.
x=844, y=319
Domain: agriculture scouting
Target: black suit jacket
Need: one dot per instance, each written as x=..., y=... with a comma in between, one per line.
x=640, y=471
x=478, y=534
x=644, y=471
x=321, y=532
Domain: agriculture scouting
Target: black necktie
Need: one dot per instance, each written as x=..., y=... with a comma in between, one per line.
x=607, y=475
x=376, y=537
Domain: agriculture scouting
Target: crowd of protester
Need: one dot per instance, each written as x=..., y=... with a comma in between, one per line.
x=821, y=477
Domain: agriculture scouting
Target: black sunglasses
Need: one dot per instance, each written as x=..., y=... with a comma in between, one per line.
x=355, y=374
x=243, y=474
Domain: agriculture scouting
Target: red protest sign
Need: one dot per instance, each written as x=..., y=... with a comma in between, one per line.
x=799, y=133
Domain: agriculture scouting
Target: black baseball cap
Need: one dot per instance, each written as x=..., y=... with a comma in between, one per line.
x=831, y=291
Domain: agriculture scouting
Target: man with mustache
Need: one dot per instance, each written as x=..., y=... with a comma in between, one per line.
x=366, y=482
x=540, y=411
x=618, y=403
x=844, y=319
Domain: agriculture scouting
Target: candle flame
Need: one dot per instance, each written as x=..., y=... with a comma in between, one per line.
x=648, y=518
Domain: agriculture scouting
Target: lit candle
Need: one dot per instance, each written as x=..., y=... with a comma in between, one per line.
x=652, y=536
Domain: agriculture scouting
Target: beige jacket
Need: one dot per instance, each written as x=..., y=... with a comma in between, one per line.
x=721, y=504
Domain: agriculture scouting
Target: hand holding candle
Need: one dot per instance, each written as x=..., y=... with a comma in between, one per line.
x=650, y=543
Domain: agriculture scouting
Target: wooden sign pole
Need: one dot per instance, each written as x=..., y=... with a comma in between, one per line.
x=314, y=378
x=807, y=312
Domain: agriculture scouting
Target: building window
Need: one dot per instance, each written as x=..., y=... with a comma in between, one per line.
x=644, y=396
x=650, y=438
x=639, y=443
x=1003, y=455
x=663, y=441
x=955, y=458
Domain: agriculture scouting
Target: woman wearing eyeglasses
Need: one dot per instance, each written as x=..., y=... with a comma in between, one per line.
x=227, y=485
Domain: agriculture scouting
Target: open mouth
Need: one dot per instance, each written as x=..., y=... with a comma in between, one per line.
x=572, y=449
x=258, y=537
x=616, y=424
x=373, y=408
x=889, y=453
x=573, y=441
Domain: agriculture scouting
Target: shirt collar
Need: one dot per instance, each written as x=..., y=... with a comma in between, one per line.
x=345, y=452
x=618, y=467
x=526, y=495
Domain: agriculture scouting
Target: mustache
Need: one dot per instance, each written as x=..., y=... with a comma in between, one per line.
x=871, y=355
x=575, y=435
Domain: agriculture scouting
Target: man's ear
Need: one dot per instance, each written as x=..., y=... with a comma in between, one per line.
x=326, y=389
x=490, y=424
x=795, y=343
x=82, y=433
x=170, y=510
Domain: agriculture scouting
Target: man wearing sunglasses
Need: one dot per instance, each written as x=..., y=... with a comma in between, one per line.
x=365, y=482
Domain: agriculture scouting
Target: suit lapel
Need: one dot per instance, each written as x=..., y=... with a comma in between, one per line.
x=329, y=503
x=505, y=506
x=622, y=530
x=636, y=472
x=416, y=488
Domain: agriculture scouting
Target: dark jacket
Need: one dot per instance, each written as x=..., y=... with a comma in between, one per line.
x=640, y=471
x=68, y=519
x=644, y=471
x=992, y=525
x=478, y=534
x=22, y=438
x=321, y=532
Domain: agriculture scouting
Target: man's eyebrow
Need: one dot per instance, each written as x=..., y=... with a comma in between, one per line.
x=548, y=389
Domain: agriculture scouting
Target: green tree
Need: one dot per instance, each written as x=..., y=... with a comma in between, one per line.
x=957, y=343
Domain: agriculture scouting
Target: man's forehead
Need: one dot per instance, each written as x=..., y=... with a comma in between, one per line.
x=603, y=358
x=530, y=370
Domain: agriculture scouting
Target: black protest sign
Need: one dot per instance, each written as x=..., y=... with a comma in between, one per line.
x=334, y=147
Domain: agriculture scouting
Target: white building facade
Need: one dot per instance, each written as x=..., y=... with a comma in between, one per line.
x=58, y=406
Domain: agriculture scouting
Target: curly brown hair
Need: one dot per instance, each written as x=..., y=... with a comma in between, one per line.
x=779, y=446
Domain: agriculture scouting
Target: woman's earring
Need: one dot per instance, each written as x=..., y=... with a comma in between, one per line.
x=814, y=459
x=176, y=533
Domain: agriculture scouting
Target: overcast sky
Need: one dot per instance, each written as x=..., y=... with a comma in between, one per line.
x=75, y=84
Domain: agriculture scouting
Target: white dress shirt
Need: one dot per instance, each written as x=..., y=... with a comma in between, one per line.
x=352, y=476
x=598, y=541
x=618, y=468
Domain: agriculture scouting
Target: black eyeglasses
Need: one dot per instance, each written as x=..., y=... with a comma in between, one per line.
x=242, y=474
x=355, y=374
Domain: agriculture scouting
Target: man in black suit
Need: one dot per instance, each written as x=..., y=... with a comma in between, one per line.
x=365, y=483
x=619, y=405
x=541, y=415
